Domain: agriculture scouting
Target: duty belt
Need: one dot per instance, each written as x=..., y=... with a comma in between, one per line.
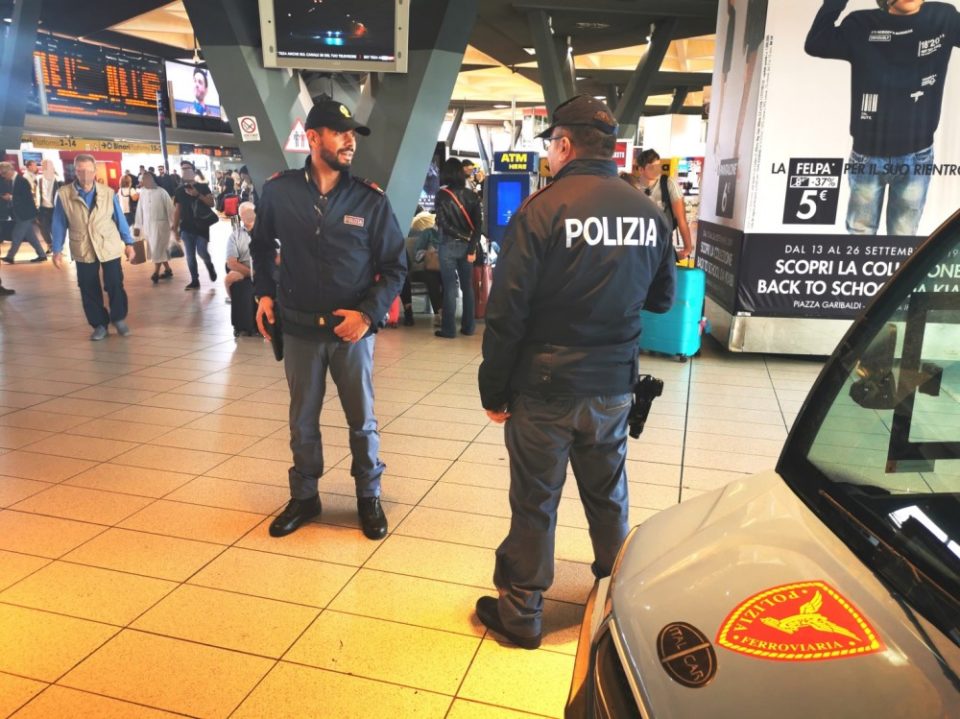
x=326, y=320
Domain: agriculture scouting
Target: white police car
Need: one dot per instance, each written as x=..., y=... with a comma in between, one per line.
x=831, y=586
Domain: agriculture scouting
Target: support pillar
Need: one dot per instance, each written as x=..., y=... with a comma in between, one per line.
x=407, y=110
x=554, y=61
x=454, y=127
x=638, y=90
x=17, y=40
x=228, y=32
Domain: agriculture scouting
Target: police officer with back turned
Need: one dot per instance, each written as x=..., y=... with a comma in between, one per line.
x=342, y=261
x=582, y=257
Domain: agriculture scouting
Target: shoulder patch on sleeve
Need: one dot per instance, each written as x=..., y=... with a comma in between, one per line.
x=539, y=192
x=282, y=173
x=370, y=184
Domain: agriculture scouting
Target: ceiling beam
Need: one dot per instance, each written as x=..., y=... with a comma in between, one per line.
x=650, y=8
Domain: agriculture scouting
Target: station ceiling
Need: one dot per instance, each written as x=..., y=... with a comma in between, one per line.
x=608, y=38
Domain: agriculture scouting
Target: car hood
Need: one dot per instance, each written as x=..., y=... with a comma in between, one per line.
x=742, y=603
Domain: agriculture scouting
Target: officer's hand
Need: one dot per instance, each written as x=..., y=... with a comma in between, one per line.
x=58, y=260
x=129, y=252
x=498, y=417
x=472, y=258
x=265, y=309
x=353, y=328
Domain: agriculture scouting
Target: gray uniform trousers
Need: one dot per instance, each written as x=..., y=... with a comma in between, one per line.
x=541, y=435
x=351, y=366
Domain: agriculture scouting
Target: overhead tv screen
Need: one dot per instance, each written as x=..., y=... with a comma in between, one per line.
x=193, y=90
x=335, y=35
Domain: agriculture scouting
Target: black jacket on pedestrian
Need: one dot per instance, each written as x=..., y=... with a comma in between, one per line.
x=452, y=220
x=345, y=251
x=581, y=258
x=24, y=207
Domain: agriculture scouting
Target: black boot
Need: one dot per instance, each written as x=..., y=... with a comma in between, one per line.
x=408, y=316
x=296, y=513
x=372, y=518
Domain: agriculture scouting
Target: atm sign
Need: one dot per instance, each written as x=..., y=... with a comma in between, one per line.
x=513, y=161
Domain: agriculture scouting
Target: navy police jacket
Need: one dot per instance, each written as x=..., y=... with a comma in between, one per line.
x=344, y=251
x=582, y=257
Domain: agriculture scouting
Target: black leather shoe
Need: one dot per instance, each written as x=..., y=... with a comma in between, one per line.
x=372, y=518
x=296, y=513
x=488, y=613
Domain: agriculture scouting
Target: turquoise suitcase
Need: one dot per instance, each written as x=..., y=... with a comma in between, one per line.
x=677, y=333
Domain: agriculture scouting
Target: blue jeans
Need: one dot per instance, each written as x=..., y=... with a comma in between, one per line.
x=542, y=435
x=905, y=200
x=194, y=245
x=454, y=267
x=351, y=367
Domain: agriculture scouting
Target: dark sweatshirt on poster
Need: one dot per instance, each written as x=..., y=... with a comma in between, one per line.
x=582, y=257
x=342, y=252
x=899, y=70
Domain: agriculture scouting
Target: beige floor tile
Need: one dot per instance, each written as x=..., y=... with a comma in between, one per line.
x=17, y=437
x=323, y=542
x=114, y=394
x=149, y=555
x=724, y=461
x=14, y=567
x=573, y=544
x=14, y=489
x=561, y=626
x=152, y=384
x=40, y=645
x=404, y=490
x=708, y=479
x=486, y=454
x=421, y=446
x=460, y=527
x=229, y=494
x=169, y=674
x=83, y=505
x=433, y=428
x=251, y=469
x=42, y=536
x=505, y=676
x=435, y=560
x=17, y=691
x=185, y=402
x=572, y=582
x=52, y=388
x=192, y=521
x=256, y=428
x=449, y=415
x=100, y=595
x=463, y=709
x=45, y=467
x=274, y=576
x=652, y=496
x=278, y=448
x=400, y=598
x=129, y=480
x=206, y=389
x=478, y=475
x=83, y=705
x=294, y=692
x=103, y=428
x=188, y=461
x=411, y=656
x=256, y=410
x=78, y=407
x=224, y=619
x=406, y=465
x=155, y=415
x=224, y=443
x=478, y=500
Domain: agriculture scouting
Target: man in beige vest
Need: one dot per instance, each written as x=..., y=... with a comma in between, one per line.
x=99, y=234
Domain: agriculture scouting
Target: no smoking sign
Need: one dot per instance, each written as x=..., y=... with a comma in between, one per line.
x=249, y=130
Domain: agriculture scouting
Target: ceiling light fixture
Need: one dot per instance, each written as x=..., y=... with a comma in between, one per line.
x=530, y=51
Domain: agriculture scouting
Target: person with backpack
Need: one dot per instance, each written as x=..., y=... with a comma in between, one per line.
x=667, y=196
x=228, y=202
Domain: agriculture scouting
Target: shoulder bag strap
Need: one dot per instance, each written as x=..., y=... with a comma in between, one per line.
x=462, y=209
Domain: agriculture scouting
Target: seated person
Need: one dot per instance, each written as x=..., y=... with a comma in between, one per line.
x=422, y=241
x=239, y=272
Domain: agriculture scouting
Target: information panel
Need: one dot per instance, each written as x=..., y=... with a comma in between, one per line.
x=99, y=82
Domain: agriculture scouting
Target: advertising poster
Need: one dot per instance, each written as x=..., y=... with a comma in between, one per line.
x=857, y=153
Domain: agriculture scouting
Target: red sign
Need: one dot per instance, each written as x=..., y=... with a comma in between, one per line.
x=806, y=621
x=623, y=155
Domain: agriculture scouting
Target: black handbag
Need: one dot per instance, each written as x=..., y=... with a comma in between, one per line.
x=203, y=215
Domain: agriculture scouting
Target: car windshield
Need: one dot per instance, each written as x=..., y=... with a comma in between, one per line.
x=876, y=449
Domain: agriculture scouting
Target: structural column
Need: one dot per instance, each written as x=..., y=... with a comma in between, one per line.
x=638, y=90
x=16, y=70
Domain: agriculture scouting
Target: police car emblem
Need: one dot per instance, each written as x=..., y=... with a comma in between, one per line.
x=351, y=220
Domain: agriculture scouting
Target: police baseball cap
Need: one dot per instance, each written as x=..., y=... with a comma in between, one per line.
x=583, y=110
x=333, y=115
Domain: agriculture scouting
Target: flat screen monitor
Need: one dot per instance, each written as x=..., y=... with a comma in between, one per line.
x=503, y=193
x=335, y=35
x=193, y=91
x=95, y=81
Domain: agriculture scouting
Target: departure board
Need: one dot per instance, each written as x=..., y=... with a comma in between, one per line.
x=99, y=82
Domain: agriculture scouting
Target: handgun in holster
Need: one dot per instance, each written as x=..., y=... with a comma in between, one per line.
x=647, y=389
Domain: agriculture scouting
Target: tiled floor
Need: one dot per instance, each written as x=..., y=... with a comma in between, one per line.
x=138, y=476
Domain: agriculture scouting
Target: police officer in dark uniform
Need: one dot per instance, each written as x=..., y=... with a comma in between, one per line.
x=342, y=261
x=582, y=258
